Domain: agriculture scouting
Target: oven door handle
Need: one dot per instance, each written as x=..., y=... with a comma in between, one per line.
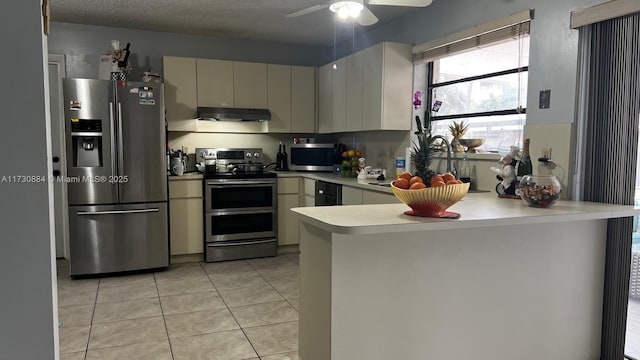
x=236, y=182
x=115, y=212
x=241, y=243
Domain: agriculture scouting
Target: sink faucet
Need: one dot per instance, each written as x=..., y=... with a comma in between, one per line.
x=450, y=169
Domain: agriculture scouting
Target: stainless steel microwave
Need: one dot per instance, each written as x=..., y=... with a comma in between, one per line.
x=312, y=157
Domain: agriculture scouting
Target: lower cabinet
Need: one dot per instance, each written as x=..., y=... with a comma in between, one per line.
x=351, y=196
x=185, y=216
x=309, y=192
x=288, y=197
x=355, y=196
x=375, y=197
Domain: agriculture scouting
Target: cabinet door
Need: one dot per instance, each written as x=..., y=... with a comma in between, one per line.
x=250, y=85
x=339, y=92
x=375, y=197
x=180, y=93
x=215, y=83
x=325, y=98
x=355, y=78
x=397, y=87
x=185, y=216
x=288, y=224
x=372, y=85
x=303, y=99
x=351, y=196
x=279, y=97
x=289, y=185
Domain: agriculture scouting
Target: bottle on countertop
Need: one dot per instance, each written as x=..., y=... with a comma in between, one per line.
x=285, y=158
x=525, y=167
x=465, y=170
x=279, y=158
x=400, y=165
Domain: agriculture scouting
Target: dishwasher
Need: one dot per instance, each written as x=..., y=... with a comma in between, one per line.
x=328, y=194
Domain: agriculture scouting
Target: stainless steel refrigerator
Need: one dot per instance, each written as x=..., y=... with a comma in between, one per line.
x=116, y=176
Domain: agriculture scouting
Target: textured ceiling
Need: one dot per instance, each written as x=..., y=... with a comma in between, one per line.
x=245, y=19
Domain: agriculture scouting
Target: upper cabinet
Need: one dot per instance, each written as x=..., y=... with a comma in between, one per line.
x=288, y=91
x=387, y=87
x=303, y=99
x=215, y=83
x=291, y=94
x=279, y=97
x=180, y=93
x=250, y=85
x=369, y=90
x=339, y=94
x=325, y=99
x=355, y=91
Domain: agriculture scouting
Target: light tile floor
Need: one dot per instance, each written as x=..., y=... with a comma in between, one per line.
x=233, y=310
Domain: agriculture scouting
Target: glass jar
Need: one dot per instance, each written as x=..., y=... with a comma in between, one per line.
x=540, y=190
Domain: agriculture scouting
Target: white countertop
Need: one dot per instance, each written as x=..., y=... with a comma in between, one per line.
x=191, y=176
x=337, y=179
x=477, y=210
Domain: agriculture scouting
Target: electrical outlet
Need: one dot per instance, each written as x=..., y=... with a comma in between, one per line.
x=546, y=153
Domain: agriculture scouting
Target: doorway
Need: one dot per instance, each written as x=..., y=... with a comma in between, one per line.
x=56, y=73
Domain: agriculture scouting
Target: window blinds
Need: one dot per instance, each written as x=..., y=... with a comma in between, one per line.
x=510, y=27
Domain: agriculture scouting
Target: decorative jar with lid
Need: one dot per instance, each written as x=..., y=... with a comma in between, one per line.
x=540, y=190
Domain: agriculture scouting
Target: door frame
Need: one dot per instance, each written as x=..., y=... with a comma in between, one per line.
x=58, y=134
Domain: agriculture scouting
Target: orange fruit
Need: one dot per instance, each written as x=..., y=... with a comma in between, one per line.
x=401, y=183
x=436, y=178
x=407, y=175
x=417, y=186
x=447, y=177
x=358, y=153
x=437, y=183
x=415, y=179
x=452, y=182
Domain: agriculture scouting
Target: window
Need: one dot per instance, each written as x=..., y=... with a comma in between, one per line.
x=478, y=76
x=486, y=88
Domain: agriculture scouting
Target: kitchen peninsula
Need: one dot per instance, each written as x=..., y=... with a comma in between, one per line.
x=505, y=281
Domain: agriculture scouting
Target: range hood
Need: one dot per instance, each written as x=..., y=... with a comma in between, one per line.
x=233, y=114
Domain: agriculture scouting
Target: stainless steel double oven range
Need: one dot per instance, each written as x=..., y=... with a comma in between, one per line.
x=240, y=204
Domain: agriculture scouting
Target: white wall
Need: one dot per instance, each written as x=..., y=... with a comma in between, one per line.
x=28, y=302
x=83, y=44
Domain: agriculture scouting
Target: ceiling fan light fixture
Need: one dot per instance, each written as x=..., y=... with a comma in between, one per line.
x=347, y=9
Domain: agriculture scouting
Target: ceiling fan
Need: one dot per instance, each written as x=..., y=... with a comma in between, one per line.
x=357, y=10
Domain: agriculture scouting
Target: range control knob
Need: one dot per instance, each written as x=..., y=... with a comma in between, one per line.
x=248, y=155
x=256, y=155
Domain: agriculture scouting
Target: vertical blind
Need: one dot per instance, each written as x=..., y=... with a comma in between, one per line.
x=612, y=112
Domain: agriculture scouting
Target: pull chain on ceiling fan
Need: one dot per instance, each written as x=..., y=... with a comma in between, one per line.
x=357, y=10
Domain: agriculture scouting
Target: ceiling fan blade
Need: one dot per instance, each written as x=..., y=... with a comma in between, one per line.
x=308, y=10
x=414, y=3
x=366, y=17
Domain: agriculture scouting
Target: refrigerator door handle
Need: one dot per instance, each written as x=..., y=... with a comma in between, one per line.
x=240, y=243
x=113, y=139
x=120, y=141
x=116, y=212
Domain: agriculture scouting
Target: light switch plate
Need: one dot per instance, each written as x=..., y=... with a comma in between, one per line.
x=545, y=99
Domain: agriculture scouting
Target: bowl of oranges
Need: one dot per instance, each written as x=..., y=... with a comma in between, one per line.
x=432, y=199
